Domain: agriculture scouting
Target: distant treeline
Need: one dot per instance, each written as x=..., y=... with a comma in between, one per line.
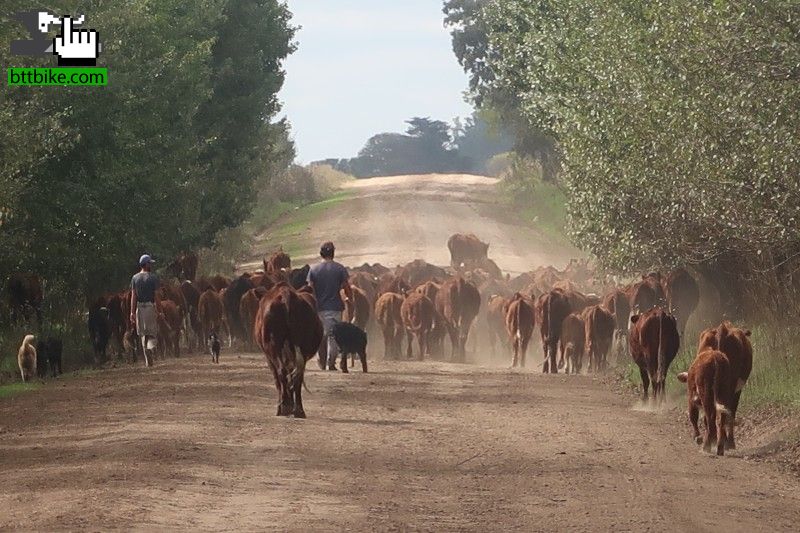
x=428, y=146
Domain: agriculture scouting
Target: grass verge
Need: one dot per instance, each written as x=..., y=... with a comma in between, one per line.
x=15, y=389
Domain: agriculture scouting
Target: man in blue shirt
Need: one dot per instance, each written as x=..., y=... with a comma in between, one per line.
x=327, y=279
x=143, y=307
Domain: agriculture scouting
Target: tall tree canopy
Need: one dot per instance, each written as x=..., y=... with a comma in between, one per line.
x=159, y=160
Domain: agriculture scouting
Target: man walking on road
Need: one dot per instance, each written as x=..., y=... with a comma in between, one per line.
x=327, y=279
x=143, y=307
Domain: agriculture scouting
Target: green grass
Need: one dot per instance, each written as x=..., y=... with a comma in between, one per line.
x=546, y=208
x=774, y=382
x=15, y=389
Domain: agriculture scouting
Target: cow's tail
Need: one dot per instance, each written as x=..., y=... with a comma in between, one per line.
x=662, y=366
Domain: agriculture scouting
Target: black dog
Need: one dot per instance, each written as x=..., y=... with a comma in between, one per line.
x=215, y=348
x=351, y=339
x=48, y=353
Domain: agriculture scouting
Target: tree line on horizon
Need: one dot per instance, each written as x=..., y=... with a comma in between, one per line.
x=428, y=146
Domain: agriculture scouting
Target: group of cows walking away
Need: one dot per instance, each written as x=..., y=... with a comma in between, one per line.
x=581, y=317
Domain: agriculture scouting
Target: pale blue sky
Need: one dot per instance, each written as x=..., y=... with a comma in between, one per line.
x=364, y=67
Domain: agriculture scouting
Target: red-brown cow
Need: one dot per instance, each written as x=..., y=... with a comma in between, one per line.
x=520, y=321
x=390, y=319
x=170, y=318
x=289, y=332
x=572, y=344
x=277, y=263
x=465, y=249
x=552, y=309
x=458, y=302
x=211, y=314
x=711, y=385
x=248, y=308
x=654, y=342
x=600, y=326
x=357, y=310
x=496, y=311
x=735, y=344
x=417, y=312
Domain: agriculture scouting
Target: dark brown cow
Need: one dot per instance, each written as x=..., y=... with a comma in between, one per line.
x=184, y=266
x=496, y=311
x=25, y=295
x=600, y=325
x=711, y=385
x=367, y=283
x=520, y=322
x=192, y=298
x=737, y=348
x=654, y=342
x=118, y=320
x=390, y=319
x=277, y=262
x=289, y=332
x=458, y=302
x=211, y=314
x=683, y=295
x=418, y=272
x=357, y=310
x=647, y=293
x=248, y=308
x=390, y=283
x=417, y=312
x=572, y=344
x=552, y=309
x=430, y=289
x=465, y=249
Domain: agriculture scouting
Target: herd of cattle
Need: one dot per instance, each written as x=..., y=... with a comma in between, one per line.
x=580, y=317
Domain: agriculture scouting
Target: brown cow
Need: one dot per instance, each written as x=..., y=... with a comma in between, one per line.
x=711, y=384
x=600, y=326
x=277, y=262
x=25, y=294
x=520, y=321
x=211, y=314
x=388, y=282
x=184, y=266
x=466, y=248
x=552, y=309
x=357, y=310
x=572, y=343
x=390, y=319
x=496, y=311
x=737, y=348
x=118, y=320
x=654, y=342
x=170, y=318
x=192, y=298
x=248, y=308
x=218, y=283
x=367, y=283
x=683, y=295
x=289, y=332
x=458, y=302
x=417, y=312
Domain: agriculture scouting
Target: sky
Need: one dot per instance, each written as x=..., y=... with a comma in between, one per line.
x=364, y=67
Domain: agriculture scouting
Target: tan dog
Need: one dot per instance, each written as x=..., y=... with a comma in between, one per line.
x=26, y=357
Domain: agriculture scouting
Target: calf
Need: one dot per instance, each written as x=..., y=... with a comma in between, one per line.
x=520, y=321
x=351, y=340
x=654, y=342
x=711, y=385
x=572, y=343
x=390, y=319
x=417, y=313
x=214, y=345
x=26, y=358
x=600, y=327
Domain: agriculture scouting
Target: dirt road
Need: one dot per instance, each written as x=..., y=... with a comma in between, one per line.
x=425, y=446
x=410, y=446
x=396, y=219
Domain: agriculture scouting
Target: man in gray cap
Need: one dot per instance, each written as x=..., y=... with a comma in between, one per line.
x=143, y=306
x=327, y=279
